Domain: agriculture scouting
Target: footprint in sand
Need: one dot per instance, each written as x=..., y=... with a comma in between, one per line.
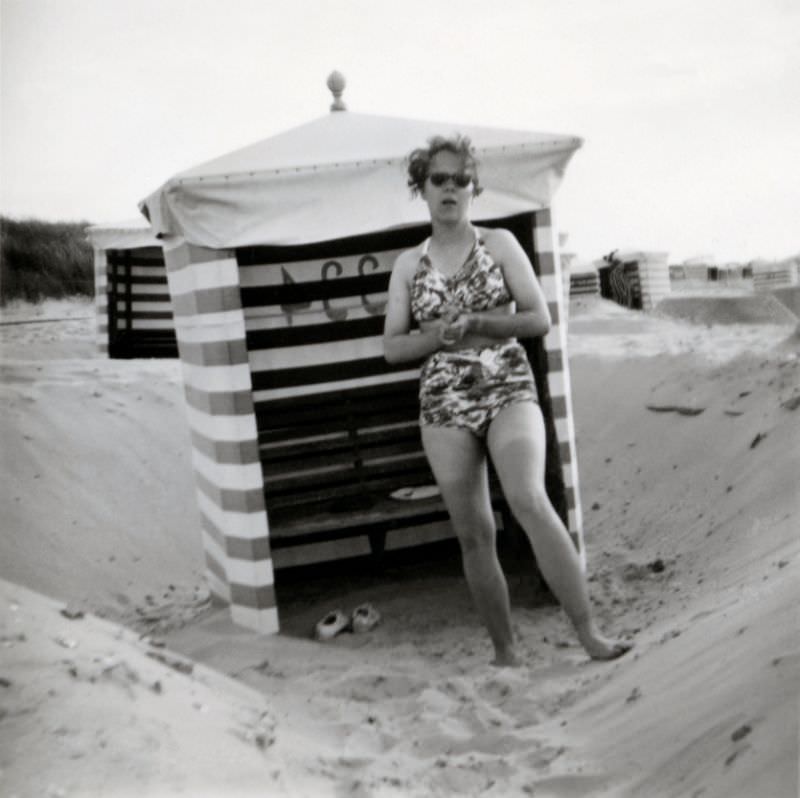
x=458, y=736
x=378, y=687
x=458, y=780
x=512, y=698
x=355, y=741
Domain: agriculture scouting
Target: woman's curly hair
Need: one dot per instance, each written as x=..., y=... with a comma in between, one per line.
x=419, y=161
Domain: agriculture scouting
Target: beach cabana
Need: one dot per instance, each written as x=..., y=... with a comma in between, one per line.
x=278, y=258
x=635, y=278
x=132, y=303
x=584, y=280
x=700, y=267
x=773, y=275
x=578, y=278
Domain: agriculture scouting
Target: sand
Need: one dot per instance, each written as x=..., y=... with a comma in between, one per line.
x=119, y=677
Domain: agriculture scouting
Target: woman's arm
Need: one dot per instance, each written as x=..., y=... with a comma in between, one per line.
x=399, y=343
x=532, y=317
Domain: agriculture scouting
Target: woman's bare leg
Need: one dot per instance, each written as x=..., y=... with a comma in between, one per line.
x=517, y=444
x=458, y=461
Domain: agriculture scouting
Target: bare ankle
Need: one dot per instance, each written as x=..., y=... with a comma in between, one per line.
x=584, y=625
x=505, y=658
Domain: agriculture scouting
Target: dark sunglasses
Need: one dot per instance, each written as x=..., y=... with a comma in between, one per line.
x=461, y=179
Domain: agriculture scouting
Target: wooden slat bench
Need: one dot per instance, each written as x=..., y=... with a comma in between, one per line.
x=331, y=462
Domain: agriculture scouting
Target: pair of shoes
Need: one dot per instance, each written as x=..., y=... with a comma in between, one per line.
x=365, y=617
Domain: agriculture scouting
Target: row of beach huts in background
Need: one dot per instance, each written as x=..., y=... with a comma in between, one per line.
x=134, y=313
x=641, y=279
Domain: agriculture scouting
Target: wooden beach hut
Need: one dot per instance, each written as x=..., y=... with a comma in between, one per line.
x=580, y=279
x=635, y=278
x=773, y=275
x=278, y=259
x=132, y=303
x=701, y=268
x=584, y=280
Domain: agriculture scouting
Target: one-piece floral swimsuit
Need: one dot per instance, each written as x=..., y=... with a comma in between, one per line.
x=468, y=388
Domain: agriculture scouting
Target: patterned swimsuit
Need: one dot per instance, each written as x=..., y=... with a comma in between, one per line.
x=467, y=388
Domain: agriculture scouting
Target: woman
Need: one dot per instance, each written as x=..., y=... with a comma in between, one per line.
x=473, y=292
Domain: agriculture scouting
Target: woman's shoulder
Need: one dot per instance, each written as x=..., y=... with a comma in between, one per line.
x=498, y=242
x=496, y=236
x=408, y=259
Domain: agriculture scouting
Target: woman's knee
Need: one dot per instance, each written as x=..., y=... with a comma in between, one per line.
x=529, y=501
x=476, y=537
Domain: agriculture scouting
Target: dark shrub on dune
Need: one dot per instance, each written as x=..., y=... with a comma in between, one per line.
x=42, y=260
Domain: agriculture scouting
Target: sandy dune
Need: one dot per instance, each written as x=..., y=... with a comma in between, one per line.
x=119, y=678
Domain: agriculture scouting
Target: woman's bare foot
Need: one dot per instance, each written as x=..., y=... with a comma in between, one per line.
x=505, y=658
x=598, y=646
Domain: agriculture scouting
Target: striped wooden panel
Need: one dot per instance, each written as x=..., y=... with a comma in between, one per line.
x=101, y=300
x=655, y=282
x=583, y=284
x=546, y=356
x=313, y=322
x=209, y=323
x=561, y=476
x=768, y=280
x=626, y=289
x=140, y=317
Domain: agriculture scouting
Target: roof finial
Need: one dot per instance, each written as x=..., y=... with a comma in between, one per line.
x=337, y=83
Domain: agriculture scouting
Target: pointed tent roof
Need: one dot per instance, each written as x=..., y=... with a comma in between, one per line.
x=342, y=175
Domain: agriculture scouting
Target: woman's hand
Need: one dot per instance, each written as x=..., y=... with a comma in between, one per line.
x=450, y=333
x=453, y=332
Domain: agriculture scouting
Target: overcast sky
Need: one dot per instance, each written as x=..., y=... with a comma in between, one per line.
x=690, y=109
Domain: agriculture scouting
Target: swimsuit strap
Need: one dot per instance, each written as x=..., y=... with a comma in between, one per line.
x=427, y=243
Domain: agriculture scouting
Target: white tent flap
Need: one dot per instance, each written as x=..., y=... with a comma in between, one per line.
x=344, y=175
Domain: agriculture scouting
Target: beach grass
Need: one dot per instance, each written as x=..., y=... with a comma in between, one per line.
x=44, y=260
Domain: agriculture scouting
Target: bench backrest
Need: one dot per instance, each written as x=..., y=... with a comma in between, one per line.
x=342, y=450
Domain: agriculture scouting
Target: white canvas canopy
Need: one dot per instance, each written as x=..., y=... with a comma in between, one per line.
x=127, y=234
x=343, y=175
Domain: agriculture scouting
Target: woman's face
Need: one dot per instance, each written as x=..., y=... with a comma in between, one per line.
x=448, y=202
